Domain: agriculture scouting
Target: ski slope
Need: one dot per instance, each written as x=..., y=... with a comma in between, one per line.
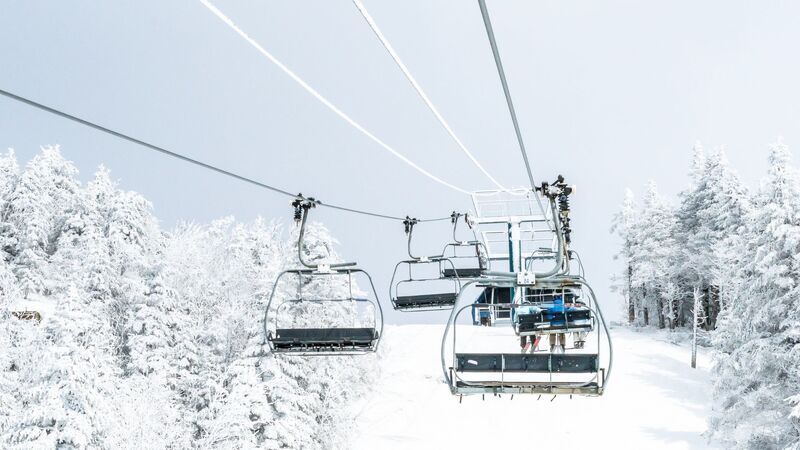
x=654, y=400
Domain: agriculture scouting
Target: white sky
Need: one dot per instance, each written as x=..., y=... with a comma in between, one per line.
x=608, y=93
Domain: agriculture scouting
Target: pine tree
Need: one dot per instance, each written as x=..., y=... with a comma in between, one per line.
x=151, y=329
x=44, y=191
x=9, y=176
x=724, y=222
x=757, y=369
x=691, y=268
x=651, y=261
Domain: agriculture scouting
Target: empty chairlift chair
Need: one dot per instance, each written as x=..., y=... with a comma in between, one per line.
x=426, y=291
x=321, y=312
x=469, y=259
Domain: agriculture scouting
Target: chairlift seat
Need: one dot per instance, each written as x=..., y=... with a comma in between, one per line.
x=553, y=317
x=526, y=363
x=466, y=272
x=323, y=339
x=425, y=300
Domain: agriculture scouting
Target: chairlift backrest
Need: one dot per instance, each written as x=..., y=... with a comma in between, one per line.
x=470, y=257
x=410, y=290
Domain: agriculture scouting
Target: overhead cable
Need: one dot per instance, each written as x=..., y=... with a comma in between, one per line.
x=197, y=162
x=374, y=26
x=324, y=100
x=487, y=22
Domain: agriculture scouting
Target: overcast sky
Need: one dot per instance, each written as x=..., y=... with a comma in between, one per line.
x=608, y=93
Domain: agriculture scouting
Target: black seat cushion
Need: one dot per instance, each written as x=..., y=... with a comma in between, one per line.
x=286, y=338
x=419, y=301
x=466, y=272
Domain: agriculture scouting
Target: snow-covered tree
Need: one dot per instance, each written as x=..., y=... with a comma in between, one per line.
x=9, y=176
x=43, y=192
x=648, y=253
x=653, y=258
x=66, y=382
x=758, y=369
x=672, y=252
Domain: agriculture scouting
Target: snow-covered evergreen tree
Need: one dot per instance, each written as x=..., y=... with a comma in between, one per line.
x=758, y=369
x=737, y=252
x=9, y=176
x=45, y=190
x=66, y=381
x=648, y=254
x=695, y=246
x=652, y=260
x=724, y=220
x=694, y=253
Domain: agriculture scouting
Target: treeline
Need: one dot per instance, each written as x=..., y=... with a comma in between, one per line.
x=737, y=252
x=117, y=334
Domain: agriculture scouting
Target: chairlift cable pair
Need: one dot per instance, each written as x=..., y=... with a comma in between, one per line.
x=225, y=19
x=196, y=162
x=374, y=26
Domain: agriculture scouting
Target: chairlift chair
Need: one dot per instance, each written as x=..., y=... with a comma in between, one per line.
x=467, y=366
x=438, y=292
x=361, y=337
x=505, y=372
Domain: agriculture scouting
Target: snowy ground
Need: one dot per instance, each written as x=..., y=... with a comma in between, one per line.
x=654, y=400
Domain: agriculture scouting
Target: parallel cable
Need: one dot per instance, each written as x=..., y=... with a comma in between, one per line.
x=490, y=33
x=196, y=162
x=322, y=99
x=374, y=26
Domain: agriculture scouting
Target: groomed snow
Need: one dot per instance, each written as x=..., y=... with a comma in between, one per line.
x=654, y=400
